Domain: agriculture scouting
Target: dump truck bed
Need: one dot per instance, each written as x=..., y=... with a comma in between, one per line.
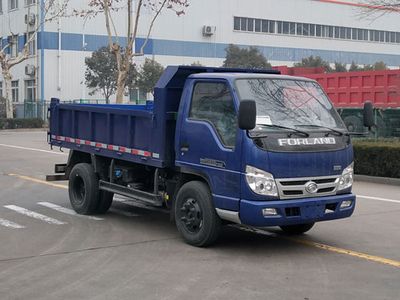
x=123, y=132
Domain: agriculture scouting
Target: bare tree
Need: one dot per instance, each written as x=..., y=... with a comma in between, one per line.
x=125, y=55
x=377, y=8
x=51, y=10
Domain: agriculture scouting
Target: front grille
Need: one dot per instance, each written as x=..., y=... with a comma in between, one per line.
x=290, y=188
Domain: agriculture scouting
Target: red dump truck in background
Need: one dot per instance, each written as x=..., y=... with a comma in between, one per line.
x=349, y=90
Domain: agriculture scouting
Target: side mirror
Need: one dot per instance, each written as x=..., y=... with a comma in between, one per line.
x=368, y=114
x=247, y=114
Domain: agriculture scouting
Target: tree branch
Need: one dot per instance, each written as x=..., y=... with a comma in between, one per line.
x=108, y=28
x=378, y=8
x=151, y=27
x=133, y=36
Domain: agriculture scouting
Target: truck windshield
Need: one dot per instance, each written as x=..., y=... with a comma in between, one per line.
x=290, y=103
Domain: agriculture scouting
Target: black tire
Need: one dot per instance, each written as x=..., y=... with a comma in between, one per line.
x=83, y=189
x=353, y=124
x=297, y=229
x=105, y=200
x=194, y=202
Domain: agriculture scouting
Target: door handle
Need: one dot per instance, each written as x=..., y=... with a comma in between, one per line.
x=184, y=147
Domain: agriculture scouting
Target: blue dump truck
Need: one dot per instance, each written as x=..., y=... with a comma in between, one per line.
x=217, y=146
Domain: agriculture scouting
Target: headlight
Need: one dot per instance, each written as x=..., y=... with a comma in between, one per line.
x=261, y=182
x=346, y=180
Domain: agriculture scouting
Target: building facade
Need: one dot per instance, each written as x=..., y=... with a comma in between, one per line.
x=285, y=31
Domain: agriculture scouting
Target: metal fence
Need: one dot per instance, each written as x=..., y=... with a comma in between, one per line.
x=29, y=110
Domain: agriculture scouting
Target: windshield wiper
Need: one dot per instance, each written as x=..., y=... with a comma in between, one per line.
x=337, y=132
x=297, y=131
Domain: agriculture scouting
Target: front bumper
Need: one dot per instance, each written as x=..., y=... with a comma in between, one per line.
x=296, y=211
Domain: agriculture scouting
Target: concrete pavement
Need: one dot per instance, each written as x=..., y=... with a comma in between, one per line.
x=134, y=253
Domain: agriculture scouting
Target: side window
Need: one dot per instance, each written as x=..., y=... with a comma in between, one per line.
x=213, y=102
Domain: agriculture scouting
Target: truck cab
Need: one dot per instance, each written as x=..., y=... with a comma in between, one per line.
x=293, y=166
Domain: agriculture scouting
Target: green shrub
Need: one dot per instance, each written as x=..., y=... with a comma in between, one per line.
x=21, y=123
x=377, y=158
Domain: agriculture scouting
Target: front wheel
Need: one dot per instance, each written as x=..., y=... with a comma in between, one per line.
x=195, y=215
x=297, y=229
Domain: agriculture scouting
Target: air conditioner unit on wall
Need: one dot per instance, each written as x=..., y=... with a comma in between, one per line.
x=30, y=70
x=208, y=30
x=30, y=19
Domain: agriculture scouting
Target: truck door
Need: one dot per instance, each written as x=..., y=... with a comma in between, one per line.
x=209, y=141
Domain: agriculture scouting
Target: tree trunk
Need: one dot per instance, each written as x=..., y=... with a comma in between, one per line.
x=122, y=76
x=8, y=96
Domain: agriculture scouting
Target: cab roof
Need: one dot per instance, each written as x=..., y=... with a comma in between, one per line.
x=233, y=76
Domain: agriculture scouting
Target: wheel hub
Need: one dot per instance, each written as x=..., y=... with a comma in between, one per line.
x=80, y=191
x=191, y=215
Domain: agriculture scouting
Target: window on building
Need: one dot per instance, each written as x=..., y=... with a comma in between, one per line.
x=12, y=4
x=397, y=37
x=325, y=31
x=337, y=32
x=14, y=91
x=345, y=33
x=30, y=90
x=365, y=34
x=271, y=26
x=29, y=2
x=354, y=33
x=318, y=30
x=1, y=6
x=387, y=36
x=371, y=35
x=374, y=35
x=306, y=29
x=342, y=32
x=299, y=28
x=330, y=31
x=1, y=87
x=257, y=25
x=360, y=34
x=312, y=29
x=236, y=23
x=279, y=27
x=264, y=26
x=292, y=28
x=213, y=103
x=250, y=24
x=32, y=43
x=381, y=36
x=285, y=27
x=13, y=41
x=393, y=37
x=243, y=24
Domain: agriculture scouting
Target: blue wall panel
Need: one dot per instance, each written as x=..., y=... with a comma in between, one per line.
x=50, y=40
x=74, y=42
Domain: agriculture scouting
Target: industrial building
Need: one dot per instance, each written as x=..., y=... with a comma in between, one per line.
x=285, y=31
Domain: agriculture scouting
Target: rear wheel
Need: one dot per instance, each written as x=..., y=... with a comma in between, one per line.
x=195, y=215
x=297, y=229
x=83, y=189
x=105, y=200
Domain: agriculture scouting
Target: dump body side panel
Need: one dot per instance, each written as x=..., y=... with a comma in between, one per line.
x=352, y=89
x=117, y=131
